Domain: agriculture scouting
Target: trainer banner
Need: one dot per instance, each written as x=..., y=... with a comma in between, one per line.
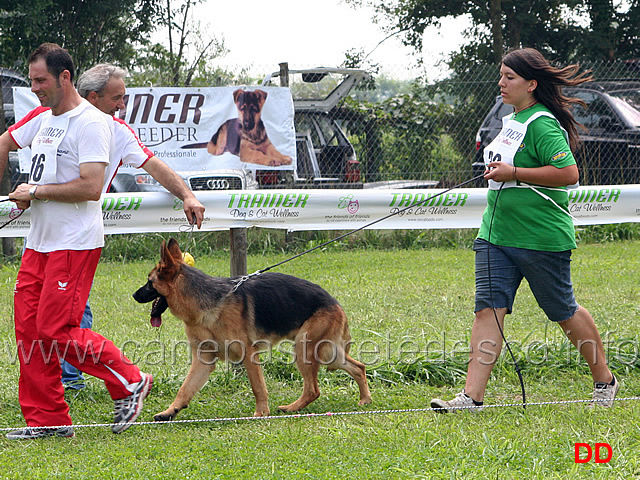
x=178, y=124
x=331, y=209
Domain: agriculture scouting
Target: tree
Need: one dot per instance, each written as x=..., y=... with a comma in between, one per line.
x=92, y=30
x=184, y=58
x=571, y=29
x=628, y=36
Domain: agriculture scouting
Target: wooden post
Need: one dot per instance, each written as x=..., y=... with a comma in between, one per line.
x=284, y=74
x=238, y=251
x=284, y=82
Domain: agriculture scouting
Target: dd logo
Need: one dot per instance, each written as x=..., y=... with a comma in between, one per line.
x=597, y=447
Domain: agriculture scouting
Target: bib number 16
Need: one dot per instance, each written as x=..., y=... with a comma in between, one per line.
x=37, y=167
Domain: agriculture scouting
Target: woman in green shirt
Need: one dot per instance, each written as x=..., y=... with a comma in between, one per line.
x=527, y=230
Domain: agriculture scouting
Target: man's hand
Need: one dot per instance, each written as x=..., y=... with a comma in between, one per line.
x=193, y=209
x=21, y=193
x=21, y=196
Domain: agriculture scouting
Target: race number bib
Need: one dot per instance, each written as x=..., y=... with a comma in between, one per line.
x=44, y=150
x=504, y=147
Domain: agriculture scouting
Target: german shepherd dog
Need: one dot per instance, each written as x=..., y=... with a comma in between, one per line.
x=234, y=321
x=246, y=135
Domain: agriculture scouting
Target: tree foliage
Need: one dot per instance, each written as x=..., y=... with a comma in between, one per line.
x=92, y=30
x=567, y=29
x=184, y=59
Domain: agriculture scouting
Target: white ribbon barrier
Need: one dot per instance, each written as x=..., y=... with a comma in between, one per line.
x=331, y=209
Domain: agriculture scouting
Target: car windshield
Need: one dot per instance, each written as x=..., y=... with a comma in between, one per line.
x=628, y=104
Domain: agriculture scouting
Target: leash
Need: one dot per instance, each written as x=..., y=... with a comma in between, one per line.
x=189, y=228
x=244, y=278
x=516, y=365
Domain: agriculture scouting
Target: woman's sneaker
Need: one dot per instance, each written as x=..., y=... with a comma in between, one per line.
x=31, y=433
x=604, y=393
x=462, y=401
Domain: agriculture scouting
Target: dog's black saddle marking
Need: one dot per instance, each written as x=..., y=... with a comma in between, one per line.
x=283, y=302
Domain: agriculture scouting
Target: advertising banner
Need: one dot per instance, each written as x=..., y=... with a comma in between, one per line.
x=200, y=129
x=331, y=209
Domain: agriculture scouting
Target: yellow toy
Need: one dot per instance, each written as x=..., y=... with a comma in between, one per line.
x=188, y=259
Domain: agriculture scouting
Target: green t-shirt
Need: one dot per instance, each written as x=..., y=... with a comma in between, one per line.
x=522, y=217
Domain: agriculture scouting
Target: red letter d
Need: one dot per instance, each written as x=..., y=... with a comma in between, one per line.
x=577, y=452
x=609, y=450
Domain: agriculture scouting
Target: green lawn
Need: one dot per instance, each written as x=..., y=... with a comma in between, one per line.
x=410, y=314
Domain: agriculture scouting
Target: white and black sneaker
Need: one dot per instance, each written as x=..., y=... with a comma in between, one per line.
x=604, y=393
x=461, y=402
x=31, y=433
x=127, y=409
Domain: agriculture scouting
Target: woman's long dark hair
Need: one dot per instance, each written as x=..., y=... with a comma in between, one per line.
x=530, y=64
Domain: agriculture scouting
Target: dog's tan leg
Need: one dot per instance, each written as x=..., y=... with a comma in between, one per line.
x=250, y=155
x=219, y=146
x=308, y=366
x=358, y=371
x=203, y=362
x=332, y=350
x=258, y=385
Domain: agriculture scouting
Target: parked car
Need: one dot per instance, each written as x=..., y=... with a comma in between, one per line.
x=325, y=157
x=8, y=80
x=610, y=149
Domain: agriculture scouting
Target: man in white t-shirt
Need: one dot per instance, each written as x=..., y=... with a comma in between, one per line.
x=70, y=142
x=103, y=86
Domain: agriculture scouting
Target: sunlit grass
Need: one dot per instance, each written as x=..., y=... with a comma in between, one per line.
x=410, y=313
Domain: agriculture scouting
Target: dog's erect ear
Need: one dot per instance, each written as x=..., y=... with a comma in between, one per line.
x=163, y=250
x=170, y=254
x=262, y=96
x=236, y=95
x=174, y=249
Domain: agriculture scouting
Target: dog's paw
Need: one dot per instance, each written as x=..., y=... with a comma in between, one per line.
x=364, y=401
x=282, y=160
x=166, y=416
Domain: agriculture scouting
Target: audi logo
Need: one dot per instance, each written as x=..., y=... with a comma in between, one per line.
x=217, y=184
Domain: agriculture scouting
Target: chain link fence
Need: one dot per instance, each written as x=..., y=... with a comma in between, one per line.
x=425, y=132
x=436, y=131
x=431, y=133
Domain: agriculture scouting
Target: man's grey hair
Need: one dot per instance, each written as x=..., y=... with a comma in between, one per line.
x=95, y=79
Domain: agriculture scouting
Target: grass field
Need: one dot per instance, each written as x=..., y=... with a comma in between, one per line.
x=410, y=313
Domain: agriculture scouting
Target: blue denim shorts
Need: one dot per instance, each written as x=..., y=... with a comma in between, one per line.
x=548, y=275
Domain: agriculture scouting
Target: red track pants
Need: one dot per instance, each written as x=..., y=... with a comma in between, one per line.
x=49, y=298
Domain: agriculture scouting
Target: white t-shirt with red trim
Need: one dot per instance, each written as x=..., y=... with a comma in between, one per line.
x=59, y=144
x=129, y=150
